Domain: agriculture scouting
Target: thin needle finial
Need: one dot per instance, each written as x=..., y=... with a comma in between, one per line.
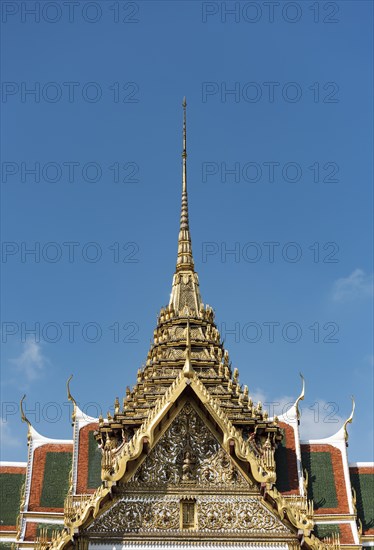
x=184, y=152
x=184, y=260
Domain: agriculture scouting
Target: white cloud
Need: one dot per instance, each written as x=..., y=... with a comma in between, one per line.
x=31, y=361
x=275, y=406
x=357, y=284
x=7, y=437
x=317, y=420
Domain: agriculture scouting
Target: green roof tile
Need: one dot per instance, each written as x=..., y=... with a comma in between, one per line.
x=56, y=479
x=364, y=487
x=326, y=530
x=94, y=463
x=50, y=528
x=283, y=482
x=321, y=483
x=10, y=497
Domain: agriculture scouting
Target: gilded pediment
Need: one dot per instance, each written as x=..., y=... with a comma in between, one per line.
x=189, y=454
x=214, y=515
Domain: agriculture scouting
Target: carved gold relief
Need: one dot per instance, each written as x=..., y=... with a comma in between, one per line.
x=136, y=514
x=188, y=452
x=236, y=513
x=213, y=514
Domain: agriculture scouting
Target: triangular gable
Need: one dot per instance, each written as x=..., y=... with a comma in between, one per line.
x=119, y=466
x=123, y=461
x=188, y=465
x=189, y=454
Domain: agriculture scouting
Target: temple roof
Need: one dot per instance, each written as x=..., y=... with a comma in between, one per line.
x=12, y=479
x=297, y=483
x=185, y=323
x=362, y=479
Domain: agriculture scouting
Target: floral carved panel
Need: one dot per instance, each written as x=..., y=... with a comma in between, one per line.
x=188, y=453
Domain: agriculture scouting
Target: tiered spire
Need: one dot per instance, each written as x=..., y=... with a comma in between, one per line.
x=186, y=339
x=185, y=295
x=185, y=259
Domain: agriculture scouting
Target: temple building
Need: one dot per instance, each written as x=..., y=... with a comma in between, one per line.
x=186, y=459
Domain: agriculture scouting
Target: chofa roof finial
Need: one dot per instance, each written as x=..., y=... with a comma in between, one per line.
x=300, y=398
x=25, y=419
x=349, y=420
x=71, y=398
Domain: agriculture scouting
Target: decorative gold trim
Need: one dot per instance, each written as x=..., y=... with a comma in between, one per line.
x=295, y=512
x=71, y=398
x=300, y=398
x=333, y=517
x=367, y=538
x=185, y=500
x=349, y=421
x=43, y=515
x=8, y=534
x=298, y=511
x=188, y=369
x=25, y=419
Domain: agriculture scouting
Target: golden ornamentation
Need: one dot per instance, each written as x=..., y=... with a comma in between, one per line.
x=188, y=451
x=187, y=461
x=237, y=513
x=213, y=514
x=139, y=514
x=349, y=421
x=71, y=398
x=25, y=419
x=300, y=398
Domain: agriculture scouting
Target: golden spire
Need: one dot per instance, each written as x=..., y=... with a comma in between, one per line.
x=184, y=152
x=184, y=260
x=185, y=295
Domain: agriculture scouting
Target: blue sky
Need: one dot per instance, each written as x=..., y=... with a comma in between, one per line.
x=279, y=171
